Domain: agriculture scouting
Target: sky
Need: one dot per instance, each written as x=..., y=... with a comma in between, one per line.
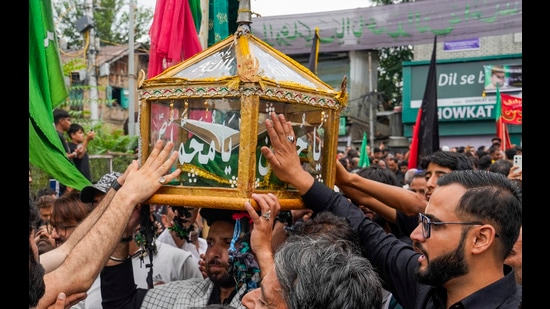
x=284, y=7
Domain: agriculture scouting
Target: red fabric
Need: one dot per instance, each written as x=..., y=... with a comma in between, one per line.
x=173, y=36
x=502, y=133
x=501, y=128
x=511, y=109
x=413, y=151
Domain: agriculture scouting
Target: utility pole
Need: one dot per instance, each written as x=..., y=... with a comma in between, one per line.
x=131, y=71
x=91, y=54
x=372, y=110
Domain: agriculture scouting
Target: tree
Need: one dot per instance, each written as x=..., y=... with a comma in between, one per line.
x=390, y=74
x=110, y=20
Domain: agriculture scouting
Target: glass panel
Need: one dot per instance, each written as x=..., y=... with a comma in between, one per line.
x=206, y=135
x=309, y=127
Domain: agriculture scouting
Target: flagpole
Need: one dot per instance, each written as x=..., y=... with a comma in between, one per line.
x=131, y=70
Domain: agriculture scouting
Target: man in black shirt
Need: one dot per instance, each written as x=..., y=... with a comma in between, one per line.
x=464, y=234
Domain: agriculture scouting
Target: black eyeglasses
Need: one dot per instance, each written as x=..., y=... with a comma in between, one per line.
x=59, y=228
x=427, y=224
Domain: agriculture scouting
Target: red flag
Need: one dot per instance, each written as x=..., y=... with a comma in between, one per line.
x=425, y=138
x=511, y=109
x=502, y=129
x=173, y=36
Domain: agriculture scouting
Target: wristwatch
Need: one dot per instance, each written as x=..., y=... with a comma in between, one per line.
x=116, y=185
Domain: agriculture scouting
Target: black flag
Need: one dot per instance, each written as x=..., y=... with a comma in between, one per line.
x=314, y=55
x=425, y=139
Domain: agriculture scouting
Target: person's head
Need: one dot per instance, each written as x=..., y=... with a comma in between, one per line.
x=47, y=191
x=392, y=164
x=95, y=193
x=166, y=215
x=45, y=206
x=76, y=133
x=470, y=149
x=377, y=153
x=474, y=160
x=403, y=166
x=407, y=178
x=68, y=212
x=61, y=119
x=399, y=156
x=501, y=166
x=419, y=185
x=495, y=152
x=381, y=163
x=315, y=272
x=325, y=223
x=352, y=153
x=45, y=241
x=354, y=163
x=380, y=174
x=510, y=153
x=440, y=163
x=471, y=222
x=180, y=221
x=497, y=75
x=345, y=162
x=515, y=258
x=228, y=258
x=484, y=162
x=37, y=287
x=496, y=140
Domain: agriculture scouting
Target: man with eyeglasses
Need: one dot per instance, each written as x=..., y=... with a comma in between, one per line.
x=68, y=211
x=469, y=226
x=396, y=204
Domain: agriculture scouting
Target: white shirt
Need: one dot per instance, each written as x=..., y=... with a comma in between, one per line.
x=166, y=237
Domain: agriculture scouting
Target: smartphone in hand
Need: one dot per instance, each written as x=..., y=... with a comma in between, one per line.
x=518, y=162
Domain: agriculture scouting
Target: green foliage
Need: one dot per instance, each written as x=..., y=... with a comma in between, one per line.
x=390, y=74
x=74, y=65
x=110, y=19
x=111, y=140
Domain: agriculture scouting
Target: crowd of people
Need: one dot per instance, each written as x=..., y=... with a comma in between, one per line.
x=445, y=235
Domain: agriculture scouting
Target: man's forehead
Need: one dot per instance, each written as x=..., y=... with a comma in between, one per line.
x=219, y=228
x=436, y=168
x=445, y=198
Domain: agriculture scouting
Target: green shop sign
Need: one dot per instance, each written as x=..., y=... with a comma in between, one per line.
x=460, y=88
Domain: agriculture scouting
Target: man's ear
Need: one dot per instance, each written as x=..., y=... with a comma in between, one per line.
x=165, y=221
x=483, y=239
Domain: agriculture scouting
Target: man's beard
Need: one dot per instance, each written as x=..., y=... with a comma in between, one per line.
x=224, y=280
x=444, y=268
x=37, y=287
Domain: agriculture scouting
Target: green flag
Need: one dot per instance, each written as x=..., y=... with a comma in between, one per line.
x=46, y=91
x=364, y=155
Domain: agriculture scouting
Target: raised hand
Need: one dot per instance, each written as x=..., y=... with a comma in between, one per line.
x=282, y=156
x=144, y=181
x=260, y=238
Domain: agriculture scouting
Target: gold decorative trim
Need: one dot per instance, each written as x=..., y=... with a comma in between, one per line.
x=271, y=93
